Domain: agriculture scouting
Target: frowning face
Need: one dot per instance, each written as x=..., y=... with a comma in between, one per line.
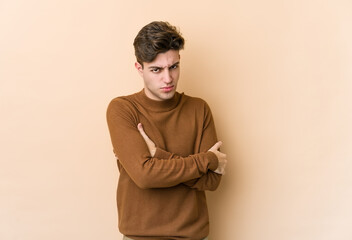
x=161, y=75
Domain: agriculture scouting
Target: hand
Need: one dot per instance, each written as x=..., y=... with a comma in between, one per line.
x=221, y=158
x=117, y=158
x=150, y=143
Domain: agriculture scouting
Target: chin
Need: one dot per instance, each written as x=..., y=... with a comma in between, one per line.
x=168, y=95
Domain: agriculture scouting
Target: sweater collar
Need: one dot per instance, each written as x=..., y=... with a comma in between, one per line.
x=159, y=106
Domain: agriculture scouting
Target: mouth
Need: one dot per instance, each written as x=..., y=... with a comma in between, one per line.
x=167, y=89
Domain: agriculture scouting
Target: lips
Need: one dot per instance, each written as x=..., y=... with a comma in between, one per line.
x=167, y=89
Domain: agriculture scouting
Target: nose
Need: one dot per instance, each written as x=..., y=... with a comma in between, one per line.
x=167, y=76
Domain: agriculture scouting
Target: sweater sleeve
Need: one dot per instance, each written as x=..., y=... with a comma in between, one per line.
x=210, y=180
x=134, y=156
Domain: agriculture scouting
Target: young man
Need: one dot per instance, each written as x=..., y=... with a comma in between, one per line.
x=166, y=146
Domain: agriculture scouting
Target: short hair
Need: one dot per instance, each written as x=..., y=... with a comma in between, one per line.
x=154, y=38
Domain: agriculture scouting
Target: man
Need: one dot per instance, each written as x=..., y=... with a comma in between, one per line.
x=166, y=146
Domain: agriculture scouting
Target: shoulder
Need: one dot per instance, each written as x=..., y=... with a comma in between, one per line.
x=195, y=101
x=121, y=104
x=195, y=106
x=123, y=100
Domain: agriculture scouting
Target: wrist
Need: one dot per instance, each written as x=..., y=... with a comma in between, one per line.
x=213, y=161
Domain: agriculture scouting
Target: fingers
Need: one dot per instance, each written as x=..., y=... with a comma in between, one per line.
x=221, y=167
x=117, y=158
x=220, y=171
x=140, y=127
x=148, y=141
x=141, y=130
x=222, y=161
x=216, y=146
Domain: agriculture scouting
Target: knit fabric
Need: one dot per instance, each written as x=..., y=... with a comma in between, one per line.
x=162, y=197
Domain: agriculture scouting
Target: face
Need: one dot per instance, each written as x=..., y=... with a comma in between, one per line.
x=161, y=75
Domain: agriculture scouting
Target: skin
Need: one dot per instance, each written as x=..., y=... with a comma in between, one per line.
x=161, y=75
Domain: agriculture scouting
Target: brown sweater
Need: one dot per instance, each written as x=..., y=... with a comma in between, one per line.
x=162, y=197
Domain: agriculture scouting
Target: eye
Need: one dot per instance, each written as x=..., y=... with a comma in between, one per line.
x=174, y=66
x=155, y=70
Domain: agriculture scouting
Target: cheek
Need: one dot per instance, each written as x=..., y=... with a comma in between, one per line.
x=175, y=75
x=150, y=80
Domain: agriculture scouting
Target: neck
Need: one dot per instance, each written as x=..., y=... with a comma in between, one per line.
x=159, y=106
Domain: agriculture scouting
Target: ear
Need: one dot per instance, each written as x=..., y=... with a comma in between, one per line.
x=139, y=68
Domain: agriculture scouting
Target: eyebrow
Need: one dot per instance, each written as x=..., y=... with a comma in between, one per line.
x=158, y=67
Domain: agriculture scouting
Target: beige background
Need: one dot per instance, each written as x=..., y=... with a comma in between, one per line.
x=277, y=75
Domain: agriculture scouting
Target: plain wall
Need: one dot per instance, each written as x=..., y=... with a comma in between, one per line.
x=277, y=75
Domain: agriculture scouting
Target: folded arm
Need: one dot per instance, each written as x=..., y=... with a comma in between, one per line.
x=211, y=179
x=152, y=171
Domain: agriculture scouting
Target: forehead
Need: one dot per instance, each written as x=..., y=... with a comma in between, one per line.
x=165, y=59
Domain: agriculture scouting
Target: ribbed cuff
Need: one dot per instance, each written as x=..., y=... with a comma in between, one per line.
x=213, y=161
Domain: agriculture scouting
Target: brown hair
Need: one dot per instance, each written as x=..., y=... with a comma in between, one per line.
x=154, y=38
